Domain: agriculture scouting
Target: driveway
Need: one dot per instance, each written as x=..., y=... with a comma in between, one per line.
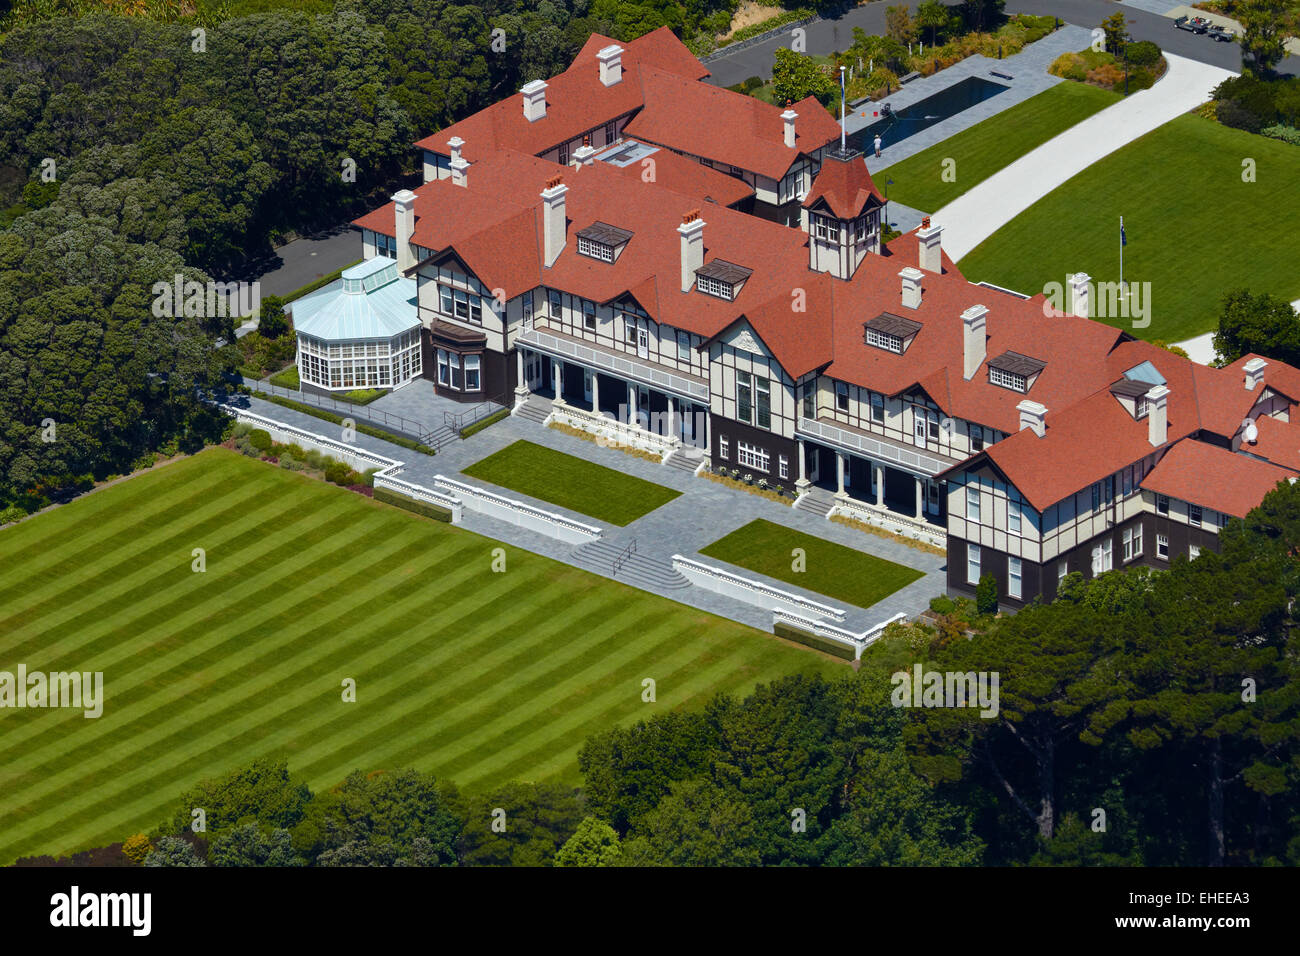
x=980, y=212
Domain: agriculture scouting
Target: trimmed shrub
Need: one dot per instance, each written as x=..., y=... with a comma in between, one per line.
x=411, y=504
x=337, y=473
x=362, y=427
x=137, y=848
x=484, y=423
x=986, y=595
x=1143, y=53
x=942, y=604
x=800, y=636
x=260, y=439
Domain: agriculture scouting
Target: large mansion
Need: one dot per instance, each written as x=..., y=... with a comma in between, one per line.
x=624, y=241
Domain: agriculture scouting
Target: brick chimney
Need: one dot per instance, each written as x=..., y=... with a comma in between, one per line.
x=611, y=64
x=554, y=227
x=405, y=228
x=929, y=240
x=1158, y=415
x=1080, y=294
x=974, y=344
x=789, y=116
x=585, y=154
x=456, y=143
x=911, y=287
x=460, y=172
x=692, y=232
x=1033, y=416
x=1254, y=370
x=534, y=100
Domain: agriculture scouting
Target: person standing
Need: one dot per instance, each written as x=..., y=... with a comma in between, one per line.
x=877, y=145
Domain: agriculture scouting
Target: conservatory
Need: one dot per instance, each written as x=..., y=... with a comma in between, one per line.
x=361, y=332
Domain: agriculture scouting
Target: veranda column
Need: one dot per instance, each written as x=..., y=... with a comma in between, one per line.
x=839, y=474
x=557, y=380
x=920, y=496
x=595, y=391
x=521, y=389
x=673, y=431
x=879, y=475
x=802, y=484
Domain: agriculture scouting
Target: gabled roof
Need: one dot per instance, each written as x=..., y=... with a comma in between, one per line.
x=844, y=186
x=676, y=172
x=1214, y=477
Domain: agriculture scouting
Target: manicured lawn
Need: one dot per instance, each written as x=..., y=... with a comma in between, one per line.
x=573, y=483
x=987, y=147
x=477, y=676
x=830, y=569
x=1195, y=229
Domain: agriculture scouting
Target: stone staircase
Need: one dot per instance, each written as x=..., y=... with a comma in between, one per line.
x=534, y=410
x=442, y=435
x=683, y=460
x=818, y=501
x=640, y=569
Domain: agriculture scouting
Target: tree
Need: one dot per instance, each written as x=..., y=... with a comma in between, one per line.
x=1115, y=27
x=796, y=76
x=137, y=848
x=986, y=595
x=594, y=843
x=271, y=322
x=1263, y=324
x=173, y=851
x=261, y=792
x=519, y=824
x=934, y=16
x=250, y=845
x=696, y=824
x=1266, y=26
x=899, y=25
x=981, y=14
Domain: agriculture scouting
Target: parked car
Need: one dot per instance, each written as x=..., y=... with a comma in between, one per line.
x=1192, y=24
x=1220, y=34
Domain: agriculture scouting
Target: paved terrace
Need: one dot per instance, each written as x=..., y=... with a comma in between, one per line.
x=704, y=512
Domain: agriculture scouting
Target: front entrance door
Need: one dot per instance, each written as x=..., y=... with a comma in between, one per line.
x=814, y=459
x=642, y=340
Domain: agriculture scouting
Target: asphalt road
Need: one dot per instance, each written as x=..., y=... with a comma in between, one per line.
x=827, y=36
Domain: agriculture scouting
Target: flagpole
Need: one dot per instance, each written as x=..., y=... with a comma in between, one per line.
x=1121, y=255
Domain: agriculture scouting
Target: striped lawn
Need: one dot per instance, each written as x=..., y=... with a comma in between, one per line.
x=480, y=677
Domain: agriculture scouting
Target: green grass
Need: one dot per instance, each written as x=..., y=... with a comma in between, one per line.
x=286, y=378
x=830, y=569
x=1195, y=229
x=477, y=676
x=985, y=148
x=573, y=483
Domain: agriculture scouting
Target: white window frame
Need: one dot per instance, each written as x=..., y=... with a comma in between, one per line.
x=1162, y=547
x=783, y=466
x=724, y=447
x=751, y=456
x=1193, y=552
x=973, y=503
x=1007, y=380
x=1015, y=581
x=883, y=340
x=473, y=366
x=683, y=345
x=972, y=564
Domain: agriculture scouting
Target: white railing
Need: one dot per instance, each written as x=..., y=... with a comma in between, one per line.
x=357, y=457
x=617, y=364
x=617, y=432
x=872, y=447
x=890, y=521
x=519, y=513
x=858, y=641
x=752, y=591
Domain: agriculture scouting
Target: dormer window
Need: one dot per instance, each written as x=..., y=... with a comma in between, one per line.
x=890, y=332
x=1014, y=371
x=1132, y=395
x=602, y=241
x=721, y=279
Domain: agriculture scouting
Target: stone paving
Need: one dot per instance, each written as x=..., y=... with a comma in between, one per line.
x=1028, y=67
x=704, y=512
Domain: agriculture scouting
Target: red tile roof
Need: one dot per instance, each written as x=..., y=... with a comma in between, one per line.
x=845, y=186
x=1214, y=477
x=692, y=178
x=1276, y=440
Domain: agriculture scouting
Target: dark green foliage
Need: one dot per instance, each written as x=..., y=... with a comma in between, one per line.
x=825, y=645
x=251, y=845
x=1142, y=53
x=271, y=321
x=1263, y=324
x=986, y=595
x=173, y=851
x=411, y=504
x=1251, y=103
x=520, y=824
x=263, y=793
x=260, y=439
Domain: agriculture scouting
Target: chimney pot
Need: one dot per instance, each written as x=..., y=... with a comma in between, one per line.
x=692, y=235
x=789, y=116
x=1254, y=370
x=611, y=64
x=911, y=287
x=974, y=341
x=1033, y=416
x=1158, y=415
x=554, y=221
x=404, y=228
x=534, y=100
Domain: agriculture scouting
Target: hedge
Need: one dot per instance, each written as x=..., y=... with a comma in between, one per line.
x=318, y=283
x=484, y=423
x=834, y=648
x=362, y=427
x=411, y=504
